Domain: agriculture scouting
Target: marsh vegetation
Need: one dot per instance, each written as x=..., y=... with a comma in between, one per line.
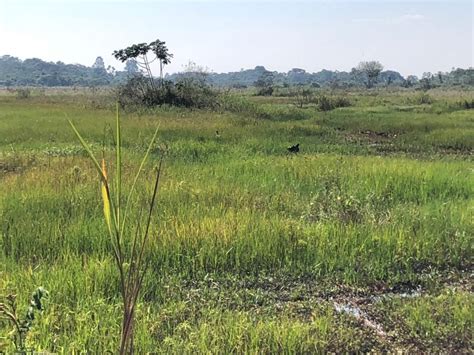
x=252, y=249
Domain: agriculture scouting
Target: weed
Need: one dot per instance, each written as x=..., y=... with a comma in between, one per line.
x=22, y=326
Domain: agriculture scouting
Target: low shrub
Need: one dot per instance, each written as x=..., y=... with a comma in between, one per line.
x=466, y=104
x=328, y=103
x=23, y=93
x=193, y=93
x=139, y=92
x=423, y=99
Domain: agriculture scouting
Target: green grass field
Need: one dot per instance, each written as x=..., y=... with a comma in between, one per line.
x=363, y=241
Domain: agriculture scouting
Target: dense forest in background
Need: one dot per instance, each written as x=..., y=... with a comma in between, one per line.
x=36, y=72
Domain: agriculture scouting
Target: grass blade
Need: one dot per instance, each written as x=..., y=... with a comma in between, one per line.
x=103, y=179
x=89, y=152
x=106, y=199
x=118, y=164
x=142, y=164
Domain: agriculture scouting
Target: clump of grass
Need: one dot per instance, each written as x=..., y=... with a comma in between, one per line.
x=131, y=265
x=332, y=203
x=423, y=99
x=242, y=105
x=327, y=103
x=22, y=326
x=436, y=323
x=335, y=205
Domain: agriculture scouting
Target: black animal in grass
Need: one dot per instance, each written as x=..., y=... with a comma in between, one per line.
x=294, y=148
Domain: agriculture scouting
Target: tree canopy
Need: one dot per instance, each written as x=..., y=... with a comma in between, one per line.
x=370, y=72
x=36, y=72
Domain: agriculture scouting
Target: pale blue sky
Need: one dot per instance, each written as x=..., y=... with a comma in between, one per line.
x=411, y=37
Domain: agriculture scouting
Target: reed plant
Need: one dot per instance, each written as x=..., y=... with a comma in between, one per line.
x=131, y=265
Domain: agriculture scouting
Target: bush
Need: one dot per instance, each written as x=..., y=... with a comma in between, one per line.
x=327, y=103
x=265, y=91
x=194, y=93
x=466, y=104
x=424, y=99
x=139, y=92
x=135, y=92
x=23, y=93
x=303, y=96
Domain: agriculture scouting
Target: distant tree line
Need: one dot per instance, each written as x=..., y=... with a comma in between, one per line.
x=366, y=74
x=36, y=72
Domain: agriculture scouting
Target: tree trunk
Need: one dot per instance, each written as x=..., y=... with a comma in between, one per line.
x=161, y=73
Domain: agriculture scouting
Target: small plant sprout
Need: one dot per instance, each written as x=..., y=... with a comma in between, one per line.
x=22, y=326
x=128, y=251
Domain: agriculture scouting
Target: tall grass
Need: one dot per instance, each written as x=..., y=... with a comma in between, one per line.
x=131, y=266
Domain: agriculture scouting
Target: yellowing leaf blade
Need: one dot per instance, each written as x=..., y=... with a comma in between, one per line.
x=106, y=198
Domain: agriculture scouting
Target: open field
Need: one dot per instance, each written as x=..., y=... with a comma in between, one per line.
x=362, y=241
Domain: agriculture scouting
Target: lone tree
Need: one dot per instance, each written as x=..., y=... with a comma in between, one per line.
x=139, y=52
x=264, y=83
x=371, y=70
x=161, y=52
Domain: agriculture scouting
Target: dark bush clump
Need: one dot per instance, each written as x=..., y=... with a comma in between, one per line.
x=23, y=93
x=328, y=103
x=468, y=105
x=139, y=92
x=194, y=93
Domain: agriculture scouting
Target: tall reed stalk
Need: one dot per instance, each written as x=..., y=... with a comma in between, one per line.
x=128, y=250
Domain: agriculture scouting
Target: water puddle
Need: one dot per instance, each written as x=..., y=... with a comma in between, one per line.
x=361, y=316
x=392, y=295
x=351, y=307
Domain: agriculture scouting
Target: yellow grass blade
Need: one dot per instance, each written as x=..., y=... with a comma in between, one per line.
x=106, y=197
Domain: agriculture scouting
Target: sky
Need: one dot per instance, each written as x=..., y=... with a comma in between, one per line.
x=407, y=36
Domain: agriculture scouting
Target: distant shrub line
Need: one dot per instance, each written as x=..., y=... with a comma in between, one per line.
x=192, y=92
